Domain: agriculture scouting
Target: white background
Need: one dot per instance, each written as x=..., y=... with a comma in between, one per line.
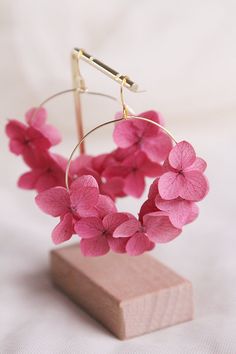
x=184, y=54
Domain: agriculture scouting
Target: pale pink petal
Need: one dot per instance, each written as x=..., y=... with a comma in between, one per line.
x=157, y=149
x=182, y=155
x=134, y=184
x=83, y=182
x=127, y=229
x=104, y=206
x=138, y=244
x=159, y=229
x=51, y=133
x=178, y=210
x=170, y=185
x=28, y=180
x=194, y=213
x=54, y=201
x=117, y=245
x=147, y=207
x=199, y=164
x=195, y=187
x=89, y=227
x=112, y=221
x=96, y=246
x=83, y=199
x=64, y=230
x=36, y=117
x=124, y=134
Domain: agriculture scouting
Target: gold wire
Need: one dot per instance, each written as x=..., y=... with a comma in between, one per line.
x=102, y=125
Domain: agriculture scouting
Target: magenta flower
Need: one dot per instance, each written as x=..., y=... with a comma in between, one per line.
x=97, y=234
x=156, y=227
x=144, y=136
x=83, y=200
x=184, y=177
x=23, y=139
x=47, y=170
x=133, y=171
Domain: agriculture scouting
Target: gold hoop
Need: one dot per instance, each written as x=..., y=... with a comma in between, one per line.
x=103, y=125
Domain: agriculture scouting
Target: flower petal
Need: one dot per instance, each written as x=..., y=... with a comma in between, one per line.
x=199, y=165
x=124, y=134
x=83, y=182
x=134, y=184
x=147, y=207
x=138, y=244
x=36, y=117
x=64, y=230
x=195, y=187
x=96, y=246
x=54, y=201
x=153, y=190
x=117, y=245
x=15, y=129
x=127, y=228
x=28, y=180
x=170, y=185
x=104, y=206
x=194, y=213
x=182, y=155
x=89, y=227
x=83, y=199
x=159, y=229
x=158, y=148
x=112, y=221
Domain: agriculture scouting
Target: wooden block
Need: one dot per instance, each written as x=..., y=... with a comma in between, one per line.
x=129, y=295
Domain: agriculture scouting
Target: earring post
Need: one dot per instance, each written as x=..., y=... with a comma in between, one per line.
x=113, y=74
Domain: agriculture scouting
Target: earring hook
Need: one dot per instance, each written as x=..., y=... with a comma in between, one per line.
x=124, y=106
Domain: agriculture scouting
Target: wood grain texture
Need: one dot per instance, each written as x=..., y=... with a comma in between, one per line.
x=129, y=295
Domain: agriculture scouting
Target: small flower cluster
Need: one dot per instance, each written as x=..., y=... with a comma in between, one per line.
x=88, y=209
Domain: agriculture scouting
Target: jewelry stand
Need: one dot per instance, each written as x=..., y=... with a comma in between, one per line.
x=130, y=296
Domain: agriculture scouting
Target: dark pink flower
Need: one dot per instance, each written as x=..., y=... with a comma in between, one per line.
x=184, y=175
x=156, y=227
x=96, y=234
x=144, y=136
x=23, y=139
x=47, y=170
x=133, y=171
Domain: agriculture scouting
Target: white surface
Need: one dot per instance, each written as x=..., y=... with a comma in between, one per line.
x=191, y=78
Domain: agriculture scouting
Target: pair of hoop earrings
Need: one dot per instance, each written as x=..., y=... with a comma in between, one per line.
x=83, y=191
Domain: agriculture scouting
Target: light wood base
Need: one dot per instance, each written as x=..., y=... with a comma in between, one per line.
x=129, y=295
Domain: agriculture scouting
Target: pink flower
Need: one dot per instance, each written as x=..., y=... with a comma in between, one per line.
x=184, y=177
x=144, y=136
x=83, y=200
x=23, y=139
x=180, y=211
x=47, y=170
x=96, y=234
x=156, y=227
x=133, y=171
x=36, y=118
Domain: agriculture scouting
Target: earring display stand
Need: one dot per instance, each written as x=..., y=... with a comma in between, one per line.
x=130, y=296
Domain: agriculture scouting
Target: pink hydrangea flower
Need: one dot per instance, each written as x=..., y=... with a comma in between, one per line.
x=96, y=234
x=184, y=175
x=83, y=200
x=47, y=170
x=133, y=171
x=144, y=136
x=156, y=227
x=23, y=138
x=36, y=118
